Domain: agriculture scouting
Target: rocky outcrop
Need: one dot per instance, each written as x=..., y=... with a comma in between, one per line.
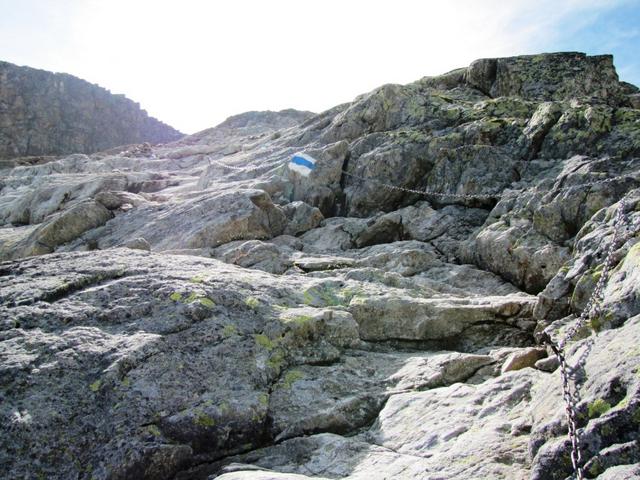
x=206, y=309
x=45, y=113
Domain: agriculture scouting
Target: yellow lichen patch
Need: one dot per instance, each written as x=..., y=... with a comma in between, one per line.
x=292, y=377
x=252, y=302
x=204, y=420
x=634, y=254
x=154, y=430
x=229, y=330
x=206, y=302
x=324, y=295
x=193, y=296
x=598, y=407
x=264, y=341
x=95, y=386
x=175, y=296
x=276, y=360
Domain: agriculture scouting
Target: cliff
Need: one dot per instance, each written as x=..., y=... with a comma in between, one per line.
x=45, y=113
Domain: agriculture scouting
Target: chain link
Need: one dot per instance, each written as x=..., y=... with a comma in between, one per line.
x=424, y=192
x=244, y=169
x=429, y=193
x=591, y=310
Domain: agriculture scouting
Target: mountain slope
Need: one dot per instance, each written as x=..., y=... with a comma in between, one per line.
x=355, y=294
x=45, y=113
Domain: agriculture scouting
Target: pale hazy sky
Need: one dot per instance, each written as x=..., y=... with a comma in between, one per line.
x=193, y=63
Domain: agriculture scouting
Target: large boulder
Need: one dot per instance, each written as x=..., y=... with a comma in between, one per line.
x=60, y=229
x=205, y=220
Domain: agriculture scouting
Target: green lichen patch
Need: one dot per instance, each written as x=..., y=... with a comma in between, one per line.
x=302, y=319
x=299, y=322
x=281, y=308
x=633, y=255
x=348, y=293
x=264, y=341
x=276, y=360
x=204, y=420
x=596, y=468
x=175, y=296
x=153, y=430
x=197, y=279
x=252, y=302
x=598, y=407
x=291, y=377
x=229, y=330
x=622, y=404
x=595, y=323
x=263, y=399
x=193, y=296
x=206, y=302
x=324, y=295
x=95, y=386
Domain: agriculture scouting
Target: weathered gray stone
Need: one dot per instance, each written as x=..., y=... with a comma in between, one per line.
x=370, y=346
x=466, y=436
x=302, y=217
x=444, y=320
x=206, y=220
x=138, y=244
x=60, y=229
x=548, y=364
x=608, y=409
x=524, y=358
x=319, y=188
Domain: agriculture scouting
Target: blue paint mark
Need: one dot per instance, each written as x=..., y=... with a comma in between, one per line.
x=303, y=161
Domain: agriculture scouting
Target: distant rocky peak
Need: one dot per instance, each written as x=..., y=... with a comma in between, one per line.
x=46, y=113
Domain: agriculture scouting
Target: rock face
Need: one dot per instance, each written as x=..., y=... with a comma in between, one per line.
x=205, y=309
x=45, y=113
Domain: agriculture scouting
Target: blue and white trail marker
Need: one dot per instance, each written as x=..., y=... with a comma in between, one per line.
x=302, y=163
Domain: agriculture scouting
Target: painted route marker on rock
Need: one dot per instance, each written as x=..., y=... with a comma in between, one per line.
x=302, y=163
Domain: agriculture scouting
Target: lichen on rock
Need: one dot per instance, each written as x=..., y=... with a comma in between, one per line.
x=202, y=310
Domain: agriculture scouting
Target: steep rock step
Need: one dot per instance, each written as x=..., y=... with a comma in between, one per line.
x=457, y=323
x=459, y=431
x=346, y=396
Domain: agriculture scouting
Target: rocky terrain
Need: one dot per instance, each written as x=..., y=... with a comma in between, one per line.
x=209, y=309
x=45, y=113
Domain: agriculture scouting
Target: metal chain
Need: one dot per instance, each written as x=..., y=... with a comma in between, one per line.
x=591, y=310
x=428, y=193
x=423, y=192
x=571, y=409
x=243, y=169
x=482, y=196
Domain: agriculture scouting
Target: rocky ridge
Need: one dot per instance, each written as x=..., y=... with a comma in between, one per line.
x=44, y=113
x=202, y=310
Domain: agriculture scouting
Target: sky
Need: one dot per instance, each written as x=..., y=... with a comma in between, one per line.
x=193, y=63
